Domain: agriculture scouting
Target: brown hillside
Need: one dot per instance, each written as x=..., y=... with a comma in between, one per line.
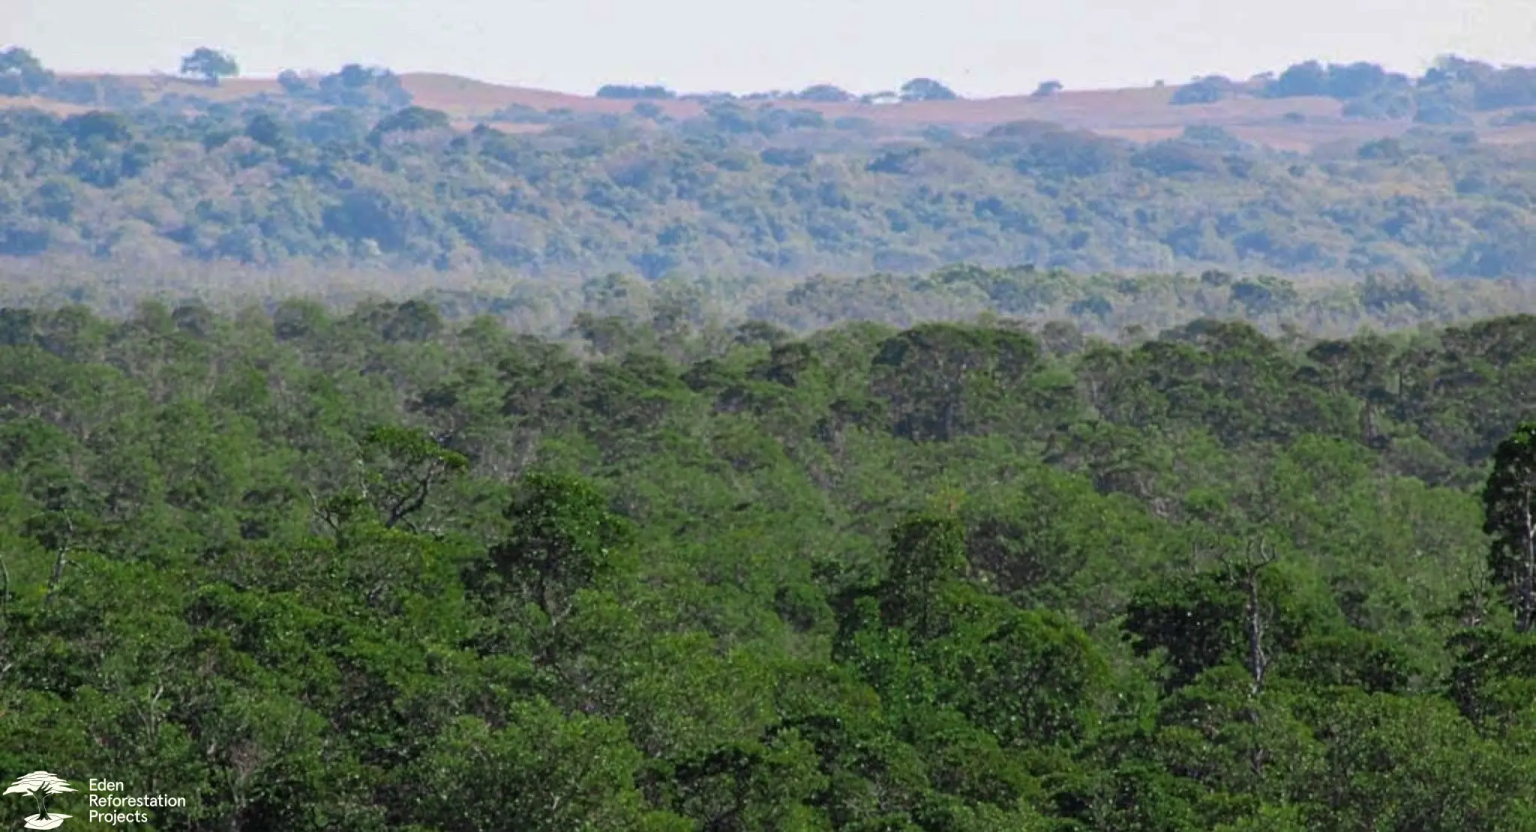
x=1142, y=114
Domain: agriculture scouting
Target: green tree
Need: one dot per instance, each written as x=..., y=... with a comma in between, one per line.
x=398, y=470
x=410, y=120
x=944, y=381
x=540, y=770
x=926, y=89
x=563, y=540
x=210, y=65
x=927, y=554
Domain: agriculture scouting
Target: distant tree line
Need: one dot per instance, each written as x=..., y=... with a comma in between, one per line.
x=917, y=89
x=739, y=188
x=1446, y=94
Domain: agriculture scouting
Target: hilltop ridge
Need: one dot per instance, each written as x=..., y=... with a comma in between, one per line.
x=1141, y=114
x=1338, y=170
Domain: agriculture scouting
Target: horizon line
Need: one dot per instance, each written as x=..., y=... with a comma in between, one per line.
x=266, y=75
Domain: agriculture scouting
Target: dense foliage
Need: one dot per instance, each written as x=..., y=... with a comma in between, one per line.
x=340, y=169
x=730, y=545
x=378, y=571
x=1454, y=91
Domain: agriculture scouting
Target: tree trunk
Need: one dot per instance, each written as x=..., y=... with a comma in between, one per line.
x=1527, y=590
x=1256, y=659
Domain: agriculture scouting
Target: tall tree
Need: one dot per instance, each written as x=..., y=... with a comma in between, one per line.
x=1509, y=509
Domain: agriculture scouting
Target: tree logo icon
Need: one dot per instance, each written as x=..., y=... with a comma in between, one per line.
x=39, y=785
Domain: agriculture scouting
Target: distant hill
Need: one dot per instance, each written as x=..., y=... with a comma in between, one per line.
x=1322, y=170
x=1295, y=122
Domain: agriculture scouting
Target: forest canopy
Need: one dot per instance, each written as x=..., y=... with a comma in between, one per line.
x=378, y=570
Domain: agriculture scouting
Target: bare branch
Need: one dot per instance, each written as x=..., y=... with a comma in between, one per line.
x=319, y=512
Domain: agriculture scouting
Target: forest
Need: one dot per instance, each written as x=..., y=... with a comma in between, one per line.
x=1115, y=306
x=343, y=170
x=385, y=568
x=366, y=466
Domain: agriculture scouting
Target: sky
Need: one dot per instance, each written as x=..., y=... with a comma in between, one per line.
x=978, y=47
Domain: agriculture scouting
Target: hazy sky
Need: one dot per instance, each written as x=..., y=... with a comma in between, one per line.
x=979, y=47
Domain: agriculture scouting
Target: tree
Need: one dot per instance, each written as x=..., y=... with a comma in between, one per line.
x=1410, y=763
x=109, y=127
x=398, y=470
x=551, y=771
x=1244, y=614
x=355, y=85
x=943, y=381
x=927, y=552
x=265, y=129
x=824, y=92
x=563, y=540
x=1303, y=79
x=1509, y=509
x=631, y=91
x=210, y=64
x=1030, y=679
x=1206, y=90
x=292, y=82
x=21, y=73
x=926, y=89
x=410, y=120
x=1046, y=89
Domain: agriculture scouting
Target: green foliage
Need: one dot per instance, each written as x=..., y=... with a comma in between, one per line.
x=342, y=169
x=410, y=120
x=628, y=91
x=391, y=570
x=926, y=89
x=563, y=540
x=209, y=64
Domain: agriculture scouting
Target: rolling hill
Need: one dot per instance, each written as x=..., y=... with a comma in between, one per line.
x=1299, y=123
x=1338, y=170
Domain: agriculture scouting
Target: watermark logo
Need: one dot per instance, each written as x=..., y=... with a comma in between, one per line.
x=40, y=785
x=107, y=800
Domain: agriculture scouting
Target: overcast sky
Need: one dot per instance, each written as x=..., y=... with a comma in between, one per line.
x=979, y=47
